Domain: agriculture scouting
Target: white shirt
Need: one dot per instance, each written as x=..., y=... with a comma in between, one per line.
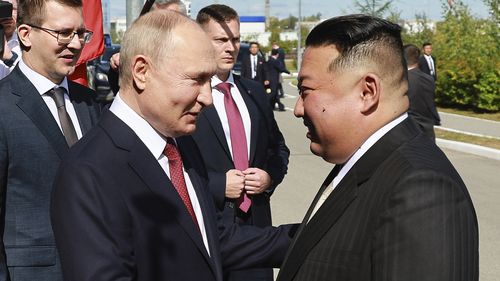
x=43, y=85
x=156, y=144
x=355, y=157
x=218, y=98
x=14, y=47
x=253, y=61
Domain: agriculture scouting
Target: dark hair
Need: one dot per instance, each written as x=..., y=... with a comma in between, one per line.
x=412, y=53
x=426, y=44
x=253, y=43
x=217, y=12
x=362, y=39
x=33, y=11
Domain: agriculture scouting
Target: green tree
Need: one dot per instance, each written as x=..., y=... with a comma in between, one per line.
x=467, y=51
x=374, y=8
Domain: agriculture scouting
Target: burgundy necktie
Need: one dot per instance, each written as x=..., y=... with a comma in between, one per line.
x=238, y=139
x=177, y=176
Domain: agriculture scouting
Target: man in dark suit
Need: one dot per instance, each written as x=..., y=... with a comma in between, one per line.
x=243, y=150
x=421, y=93
x=130, y=199
x=274, y=68
x=281, y=57
x=427, y=62
x=252, y=65
x=393, y=208
x=43, y=114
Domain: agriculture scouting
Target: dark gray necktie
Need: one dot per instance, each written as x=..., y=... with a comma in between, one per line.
x=68, y=129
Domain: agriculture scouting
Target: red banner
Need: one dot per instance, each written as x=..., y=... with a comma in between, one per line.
x=92, y=14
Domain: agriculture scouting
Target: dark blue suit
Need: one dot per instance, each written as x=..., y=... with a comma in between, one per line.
x=268, y=152
x=31, y=148
x=117, y=216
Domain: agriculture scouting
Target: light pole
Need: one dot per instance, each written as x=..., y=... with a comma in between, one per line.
x=299, y=53
x=133, y=8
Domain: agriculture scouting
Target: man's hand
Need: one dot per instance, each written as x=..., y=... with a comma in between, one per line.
x=114, y=61
x=256, y=180
x=235, y=182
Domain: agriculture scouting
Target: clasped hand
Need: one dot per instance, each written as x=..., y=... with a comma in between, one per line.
x=252, y=180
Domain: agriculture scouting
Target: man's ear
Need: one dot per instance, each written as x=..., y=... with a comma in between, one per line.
x=140, y=70
x=23, y=34
x=370, y=93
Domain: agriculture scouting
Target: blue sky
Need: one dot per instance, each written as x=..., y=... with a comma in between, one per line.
x=328, y=8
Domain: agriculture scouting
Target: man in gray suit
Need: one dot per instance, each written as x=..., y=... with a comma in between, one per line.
x=393, y=208
x=42, y=115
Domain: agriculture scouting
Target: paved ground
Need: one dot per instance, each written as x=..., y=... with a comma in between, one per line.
x=470, y=124
x=307, y=172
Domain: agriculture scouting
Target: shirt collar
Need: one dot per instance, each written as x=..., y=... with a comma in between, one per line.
x=41, y=83
x=367, y=145
x=153, y=140
x=216, y=81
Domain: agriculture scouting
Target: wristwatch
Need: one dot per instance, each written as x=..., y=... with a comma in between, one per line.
x=11, y=61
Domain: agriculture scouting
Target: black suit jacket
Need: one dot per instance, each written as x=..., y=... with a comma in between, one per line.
x=268, y=150
x=421, y=89
x=31, y=148
x=274, y=68
x=402, y=212
x=424, y=66
x=246, y=69
x=117, y=216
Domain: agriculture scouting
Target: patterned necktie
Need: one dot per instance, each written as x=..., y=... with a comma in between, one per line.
x=57, y=94
x=177, y=176
x=326, y=192
x=238, y=139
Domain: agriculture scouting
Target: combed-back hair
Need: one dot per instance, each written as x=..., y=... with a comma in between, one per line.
x=426, y=44
x=363, y=40
x=33, y=11
x=150, y=35
x=217, y=12
x=412, y=54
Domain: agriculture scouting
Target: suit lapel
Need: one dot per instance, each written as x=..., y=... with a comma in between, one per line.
x=311, y=232
x=32, y=104
x=253, y=111
x=146, y=167
x=214, y=259
x=210, y=113
x=81, y=109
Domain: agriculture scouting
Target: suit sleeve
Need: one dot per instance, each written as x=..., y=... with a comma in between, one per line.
x=90, y=230
x=217, y=187
x=429, y=231
x=247, y=246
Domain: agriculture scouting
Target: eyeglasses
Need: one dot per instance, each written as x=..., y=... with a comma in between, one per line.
x=66, y=36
